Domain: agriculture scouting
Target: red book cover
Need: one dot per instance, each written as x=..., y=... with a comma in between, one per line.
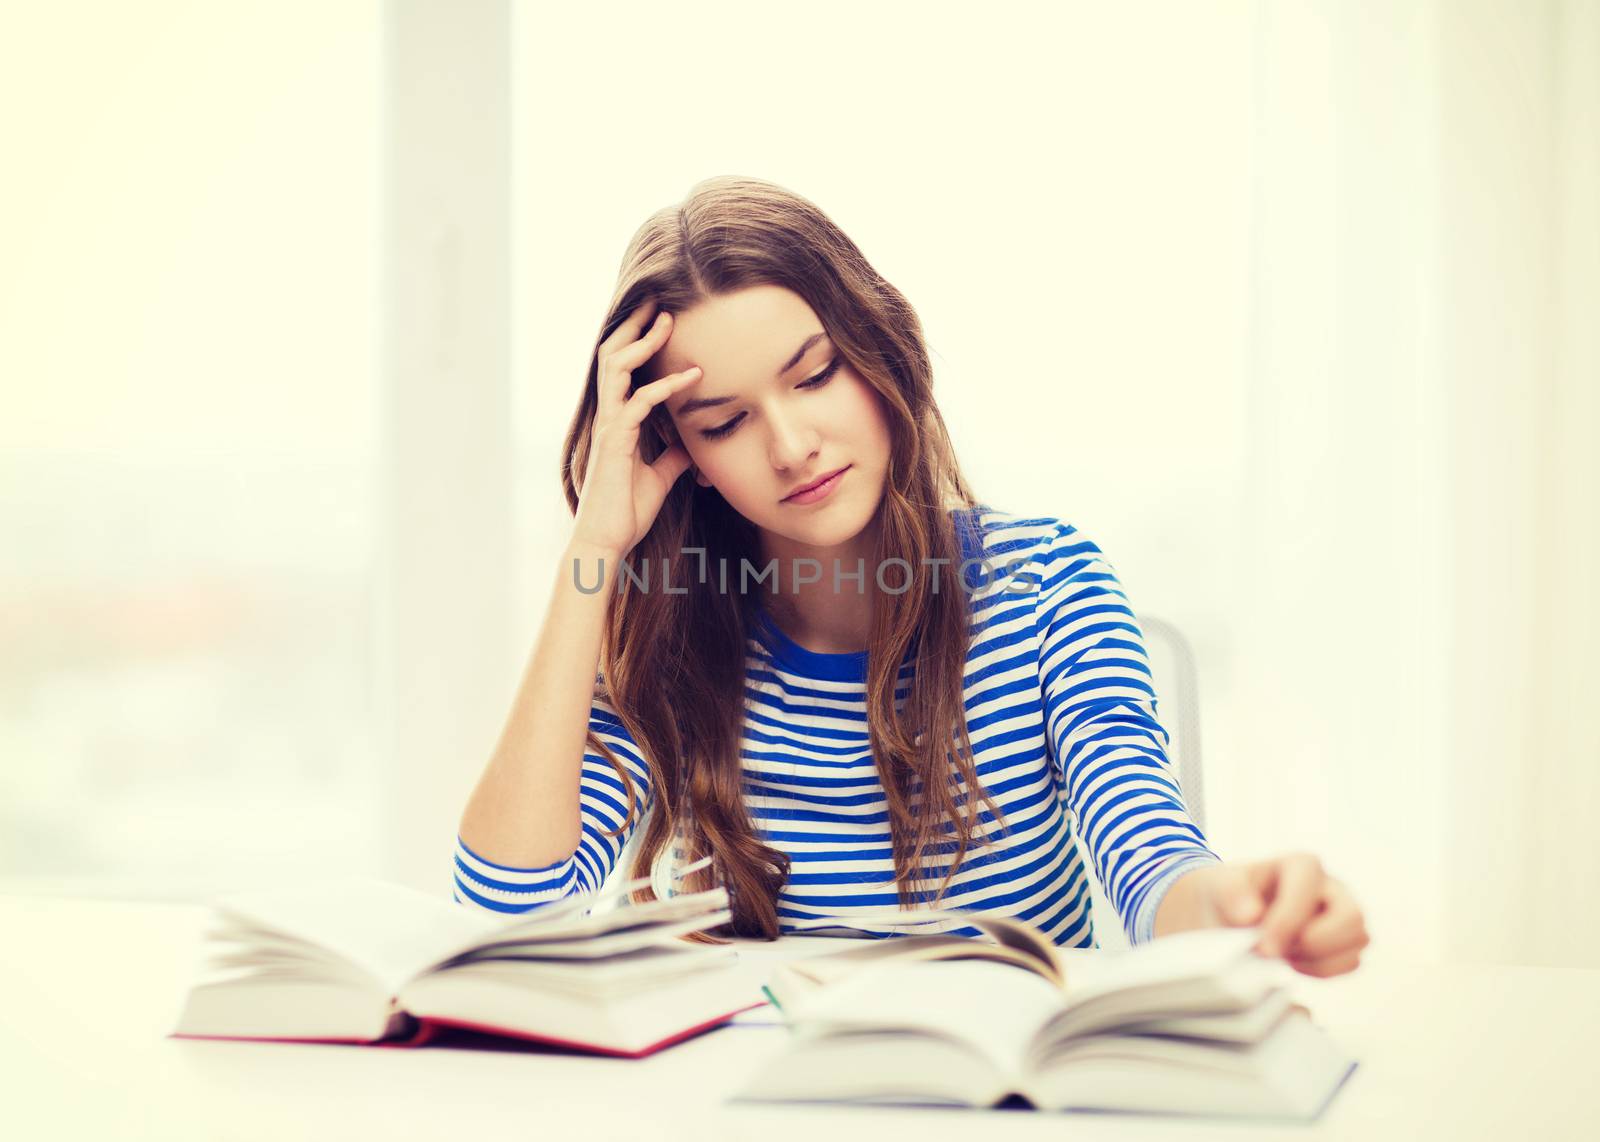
x=435, y=1030
x=430, y=1030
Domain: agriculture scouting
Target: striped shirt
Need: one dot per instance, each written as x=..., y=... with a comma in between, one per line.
x=1061, y=713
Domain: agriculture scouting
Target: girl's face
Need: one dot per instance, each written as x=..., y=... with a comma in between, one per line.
x=776, y=408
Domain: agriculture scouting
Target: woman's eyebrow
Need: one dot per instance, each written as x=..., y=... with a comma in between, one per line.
x=805, y=347
x=695, y=404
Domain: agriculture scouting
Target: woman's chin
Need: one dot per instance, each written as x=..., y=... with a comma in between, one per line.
x=839, y=527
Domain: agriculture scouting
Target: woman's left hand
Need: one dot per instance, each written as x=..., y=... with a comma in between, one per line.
x=1306, y=916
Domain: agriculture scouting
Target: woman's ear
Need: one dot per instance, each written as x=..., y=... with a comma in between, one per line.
x=665, y=428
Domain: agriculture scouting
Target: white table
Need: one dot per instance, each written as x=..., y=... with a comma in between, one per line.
x=88, y=991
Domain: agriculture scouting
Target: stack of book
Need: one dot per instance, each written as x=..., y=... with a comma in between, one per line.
x=1192, y=1023
x=368, y=961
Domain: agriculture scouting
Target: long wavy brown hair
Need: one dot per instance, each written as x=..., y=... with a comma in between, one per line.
x=673, y=664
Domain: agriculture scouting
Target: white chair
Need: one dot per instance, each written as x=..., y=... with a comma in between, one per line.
x=1177, y=687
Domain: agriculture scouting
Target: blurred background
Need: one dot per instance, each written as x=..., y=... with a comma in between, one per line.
x=1290, y=306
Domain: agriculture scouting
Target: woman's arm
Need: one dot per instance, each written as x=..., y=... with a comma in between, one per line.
x=547, y=817
x=1151, y=856
x=532, y=826
x=1100, y=718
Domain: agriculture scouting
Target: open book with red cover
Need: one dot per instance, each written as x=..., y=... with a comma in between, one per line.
x=365, y=961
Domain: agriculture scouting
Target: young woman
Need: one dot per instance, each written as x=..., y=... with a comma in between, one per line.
x=820, y=661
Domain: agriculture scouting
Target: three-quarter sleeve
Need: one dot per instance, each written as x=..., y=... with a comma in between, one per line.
x=1100, y=717
x=485, y=885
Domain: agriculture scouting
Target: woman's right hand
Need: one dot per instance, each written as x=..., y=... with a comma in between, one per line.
x=621, y=493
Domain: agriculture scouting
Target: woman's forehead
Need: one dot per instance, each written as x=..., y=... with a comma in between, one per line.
x=740, y=347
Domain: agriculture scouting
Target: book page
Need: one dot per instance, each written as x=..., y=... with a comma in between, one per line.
x=1032, y=948
x=542, y=926
x=592, y=947
x=992, y=1006
x=790, y=981
x=388, y=930
x=1025, y=939
x=1203, y=953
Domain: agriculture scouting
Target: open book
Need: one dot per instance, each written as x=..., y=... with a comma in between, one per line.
x=1192, y=1023
x=360, y=961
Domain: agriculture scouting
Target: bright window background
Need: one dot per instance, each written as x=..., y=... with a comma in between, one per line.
x=188, y=298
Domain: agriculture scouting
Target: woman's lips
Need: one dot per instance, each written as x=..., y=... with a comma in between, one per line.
x=821, y=491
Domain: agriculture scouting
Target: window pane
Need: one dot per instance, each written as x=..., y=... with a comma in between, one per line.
x=187, y=331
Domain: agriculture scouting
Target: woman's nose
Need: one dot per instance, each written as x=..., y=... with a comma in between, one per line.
x=792, y=443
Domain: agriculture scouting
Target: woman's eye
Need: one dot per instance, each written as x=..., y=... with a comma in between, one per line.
x=815, y=382
x=722, y=429
x=821, y=378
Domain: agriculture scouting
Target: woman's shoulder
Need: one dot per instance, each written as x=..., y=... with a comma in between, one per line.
x=1041, y=561
x=1023, y=540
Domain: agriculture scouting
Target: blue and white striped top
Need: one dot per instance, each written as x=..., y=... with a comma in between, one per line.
x=1062, y=718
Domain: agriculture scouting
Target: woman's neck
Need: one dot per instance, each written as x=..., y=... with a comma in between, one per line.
x=814, y=614
x=835, y=624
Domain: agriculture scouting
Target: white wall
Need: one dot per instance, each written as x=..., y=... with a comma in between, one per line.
x=1333, y=618
x=1517, y=290
x=445, y=583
